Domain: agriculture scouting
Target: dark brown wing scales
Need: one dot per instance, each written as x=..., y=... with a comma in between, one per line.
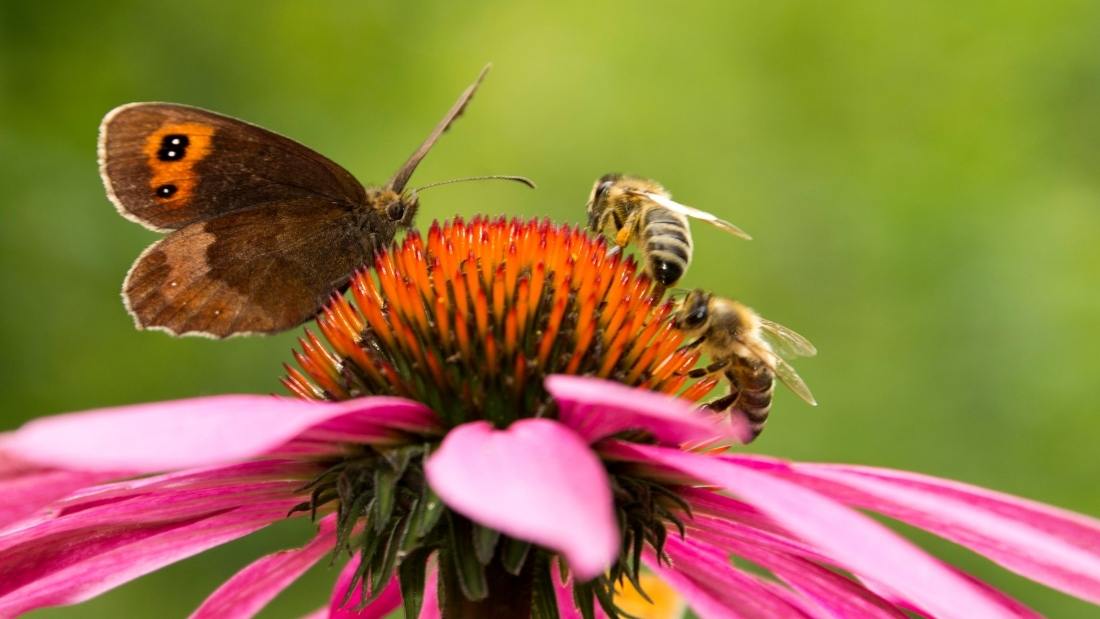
x=167, y=165
x=252, y=271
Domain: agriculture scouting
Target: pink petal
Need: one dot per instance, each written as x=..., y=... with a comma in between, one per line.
x=831, y=592
x=713, y=588
x=596, y=409
x=27, y=488
x=149, y=509
x=1049, y=545
x=384, y=604
x=563, y=595
x=82, y=566
x=853, y=540
x=536, y=481
x=198, y=432
x=429, y=609
x=292, y=473
x=250, y=589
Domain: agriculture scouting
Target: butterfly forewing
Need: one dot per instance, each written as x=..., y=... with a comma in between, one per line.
x=167, y=165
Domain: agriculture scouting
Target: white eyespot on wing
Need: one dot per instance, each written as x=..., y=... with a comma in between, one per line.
x=695, y=213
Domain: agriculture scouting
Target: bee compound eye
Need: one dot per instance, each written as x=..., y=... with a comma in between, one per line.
x=696, y=316
x=602, y=188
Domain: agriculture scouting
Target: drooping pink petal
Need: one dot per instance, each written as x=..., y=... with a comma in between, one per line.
x=384, y=604
x=79, y=568
x=163, y=506
x=536, y=481
x=563, y=595
x=429, y=608
x=198, y=432
x=239, y=475
x=852, y=540
x=798, y=566
x=596, y=409
x=27, y=488
x=250, y=589
x=713, y=588
x=1052, y=546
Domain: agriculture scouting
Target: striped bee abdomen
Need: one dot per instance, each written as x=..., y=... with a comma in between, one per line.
x=755, y=384
x=667, y=245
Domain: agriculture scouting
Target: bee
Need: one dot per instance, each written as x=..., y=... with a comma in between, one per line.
x=748, y=350
x=630, y=209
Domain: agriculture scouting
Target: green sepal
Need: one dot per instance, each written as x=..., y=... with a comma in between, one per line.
x=470, y=572
x=412, y=575
x=513, y=554
x=485, y=543
x=544, y=598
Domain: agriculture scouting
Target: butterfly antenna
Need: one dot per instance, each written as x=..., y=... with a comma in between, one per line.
x=501, y=177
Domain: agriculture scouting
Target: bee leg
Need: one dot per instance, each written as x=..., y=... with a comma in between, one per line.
x=695, y=344
x=622, y=237
x=723, y=402
x=710, y=369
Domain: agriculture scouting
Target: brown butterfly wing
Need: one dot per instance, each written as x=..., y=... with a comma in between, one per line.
x=258, y=270
x=167, y=166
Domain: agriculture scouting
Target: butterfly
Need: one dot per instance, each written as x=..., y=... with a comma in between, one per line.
x=260, y=229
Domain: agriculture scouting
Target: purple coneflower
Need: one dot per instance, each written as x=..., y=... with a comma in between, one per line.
x=501, y=425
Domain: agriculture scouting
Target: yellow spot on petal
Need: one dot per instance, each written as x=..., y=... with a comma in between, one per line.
x=667, y=604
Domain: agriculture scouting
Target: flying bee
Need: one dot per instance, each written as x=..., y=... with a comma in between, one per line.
x=747, y=349
x=630, y=209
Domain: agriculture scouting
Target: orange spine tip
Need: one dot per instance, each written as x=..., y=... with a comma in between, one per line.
x=523, y=292
x=498, y=292
x=300, y=385
x=613, y=352
x=538, y=278
x=491, y=354
x=462, y=333
x=554, y=322
x=461, y=295
x=700, y=389
x=481, y=314
x=519, y=375
x=442, y=322
x=434, y=367
x=510, y=330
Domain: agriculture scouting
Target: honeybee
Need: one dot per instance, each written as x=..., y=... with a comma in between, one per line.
x=748, y=350
x=630, y=209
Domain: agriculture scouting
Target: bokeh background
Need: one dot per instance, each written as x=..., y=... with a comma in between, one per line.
x=921, y=180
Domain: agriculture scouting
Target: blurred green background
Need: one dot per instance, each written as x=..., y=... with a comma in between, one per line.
x=921, y=180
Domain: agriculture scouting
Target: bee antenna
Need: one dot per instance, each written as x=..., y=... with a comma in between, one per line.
x=501, y=177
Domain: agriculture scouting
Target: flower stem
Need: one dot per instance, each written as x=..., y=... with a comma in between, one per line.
x=509, y=596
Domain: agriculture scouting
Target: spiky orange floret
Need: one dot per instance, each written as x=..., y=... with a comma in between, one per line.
x=473, y=319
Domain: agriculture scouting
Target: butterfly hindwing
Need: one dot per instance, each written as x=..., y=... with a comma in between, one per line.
x=168, y=165
x=250, y=271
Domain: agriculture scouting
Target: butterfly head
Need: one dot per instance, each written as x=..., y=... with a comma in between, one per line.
x=395, y=209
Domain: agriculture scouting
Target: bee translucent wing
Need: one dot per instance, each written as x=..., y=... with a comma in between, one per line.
x=710, y=218
x=785, y=341
x=793, y=381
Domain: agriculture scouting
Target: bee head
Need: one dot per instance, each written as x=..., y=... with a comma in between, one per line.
x=597, y=200
x=693, y=312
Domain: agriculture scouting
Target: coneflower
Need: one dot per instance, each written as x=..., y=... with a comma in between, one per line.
x=499, y=423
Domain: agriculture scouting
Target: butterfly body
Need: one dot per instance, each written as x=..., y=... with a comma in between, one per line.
x=260, y=229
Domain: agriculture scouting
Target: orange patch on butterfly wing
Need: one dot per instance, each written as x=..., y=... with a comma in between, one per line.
x=172, y=151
